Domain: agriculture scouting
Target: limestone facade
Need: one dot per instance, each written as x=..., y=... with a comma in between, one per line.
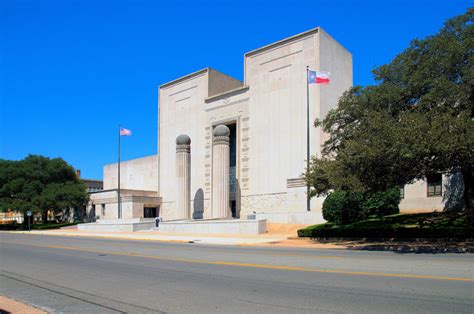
x=135, y=174
x=268, y=110
x=267, y=115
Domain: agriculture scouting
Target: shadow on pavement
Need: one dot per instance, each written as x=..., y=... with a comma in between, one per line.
x=404, y=247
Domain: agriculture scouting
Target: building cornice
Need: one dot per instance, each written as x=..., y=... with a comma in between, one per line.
x=223, y=94
x=91, y=180
x=125, y=191
x=185, y=77
x=128, y=160
x=283, y=41
x=129, y=198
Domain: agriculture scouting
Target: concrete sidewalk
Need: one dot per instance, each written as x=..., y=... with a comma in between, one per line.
x=222, y=239
x=8, y=305
x=278, y=236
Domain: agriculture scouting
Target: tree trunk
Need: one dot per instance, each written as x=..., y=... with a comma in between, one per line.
x=467, y=175
x=25, y=221
x=45, y=217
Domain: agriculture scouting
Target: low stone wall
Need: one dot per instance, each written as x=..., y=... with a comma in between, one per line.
x=300, y=218
x=235, y=226
x=111, y=225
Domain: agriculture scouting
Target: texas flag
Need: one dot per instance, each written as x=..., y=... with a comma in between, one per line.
x=318, y=77
x=125, y=132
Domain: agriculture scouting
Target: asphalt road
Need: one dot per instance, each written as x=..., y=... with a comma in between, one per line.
x=93, y=275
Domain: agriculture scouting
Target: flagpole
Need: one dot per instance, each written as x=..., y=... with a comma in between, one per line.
x=119, y=205
x=308, y=199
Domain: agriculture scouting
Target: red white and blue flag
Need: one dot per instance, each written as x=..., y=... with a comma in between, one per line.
x=125, y=132
x=318, y=77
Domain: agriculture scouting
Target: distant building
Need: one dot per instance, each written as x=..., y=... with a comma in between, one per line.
x=10, y=216
x=91, y=184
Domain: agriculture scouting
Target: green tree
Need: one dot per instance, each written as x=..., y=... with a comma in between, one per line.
x=417, y=120
x=40, y=184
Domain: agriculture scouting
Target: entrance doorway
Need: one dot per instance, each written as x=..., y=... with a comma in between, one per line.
x=233, y=168
x=233, y=208
x=149, y=212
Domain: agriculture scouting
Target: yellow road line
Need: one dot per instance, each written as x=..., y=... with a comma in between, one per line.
x=303, y=255
x=251, y=265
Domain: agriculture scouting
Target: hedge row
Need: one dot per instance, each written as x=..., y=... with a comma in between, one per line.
x=16, y=226
x=386, y=232
x=53, y=226
x=10, y=226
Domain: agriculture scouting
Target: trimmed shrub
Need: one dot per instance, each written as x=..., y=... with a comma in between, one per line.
x=381, y=204
x=341, y=207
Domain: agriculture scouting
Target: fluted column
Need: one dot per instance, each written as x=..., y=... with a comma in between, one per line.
x=220, y=173
x=183, y=177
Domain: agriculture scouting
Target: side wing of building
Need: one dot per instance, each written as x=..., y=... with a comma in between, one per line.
x=138, y=187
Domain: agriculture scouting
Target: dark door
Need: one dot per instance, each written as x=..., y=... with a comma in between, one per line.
x=149, y=212
x=233, y=208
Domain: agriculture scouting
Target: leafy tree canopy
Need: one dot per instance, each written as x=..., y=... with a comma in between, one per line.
x=39, y=184
x=417, y=120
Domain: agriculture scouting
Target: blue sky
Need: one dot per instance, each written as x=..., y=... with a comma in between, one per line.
x=71, y=71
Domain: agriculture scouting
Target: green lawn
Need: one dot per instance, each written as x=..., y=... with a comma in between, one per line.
x=426, y=225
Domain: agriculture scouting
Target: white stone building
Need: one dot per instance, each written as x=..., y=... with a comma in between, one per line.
x=266, y=116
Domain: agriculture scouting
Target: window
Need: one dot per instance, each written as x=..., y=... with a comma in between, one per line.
x=435, y=184
x=103, y=210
